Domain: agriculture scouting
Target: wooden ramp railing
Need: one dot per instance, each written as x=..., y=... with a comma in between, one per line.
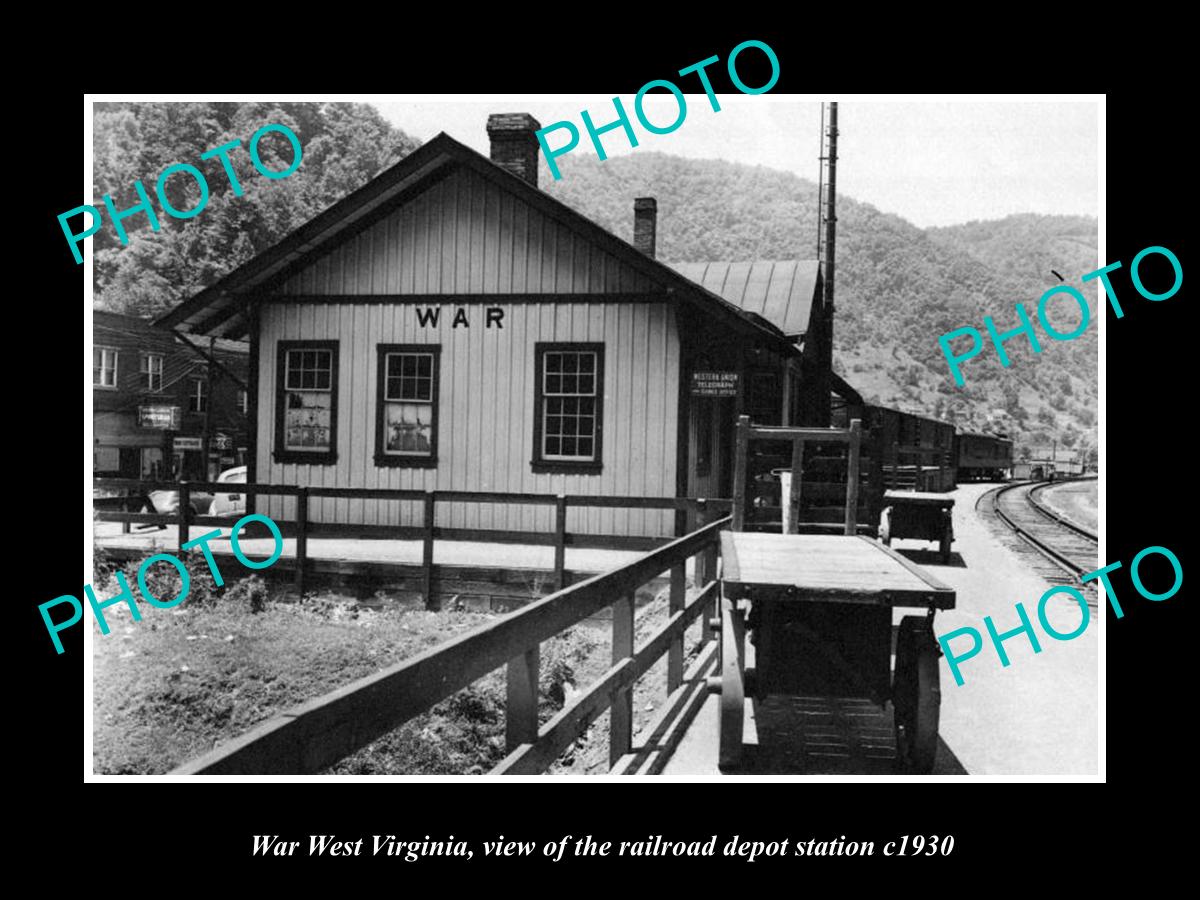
x=314, y=736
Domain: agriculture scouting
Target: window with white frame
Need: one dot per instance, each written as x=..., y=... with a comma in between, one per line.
x=152, y=371
x=569, y=405
x=198, y=395
x=406, y=414
x=104, y=367
x=243, y=402
x=306, y=402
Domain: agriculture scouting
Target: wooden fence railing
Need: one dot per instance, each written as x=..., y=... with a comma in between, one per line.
x=314, y=736
x=302, y=527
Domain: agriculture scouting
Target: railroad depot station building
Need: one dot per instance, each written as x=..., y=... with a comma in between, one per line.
x=451, y=326
x=161, y=410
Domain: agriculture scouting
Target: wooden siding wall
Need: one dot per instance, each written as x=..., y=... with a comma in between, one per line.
x=486, y=411
x=465, y=235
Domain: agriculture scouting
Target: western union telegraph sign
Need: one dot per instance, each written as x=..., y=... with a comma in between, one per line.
x=714, y=384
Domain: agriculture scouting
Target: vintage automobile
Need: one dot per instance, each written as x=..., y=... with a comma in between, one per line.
x=230, y=504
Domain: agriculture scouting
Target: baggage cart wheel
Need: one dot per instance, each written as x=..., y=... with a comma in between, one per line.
x=916, y=696
x=733, y=692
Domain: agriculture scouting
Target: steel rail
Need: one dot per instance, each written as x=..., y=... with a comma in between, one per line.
x=1041, y=547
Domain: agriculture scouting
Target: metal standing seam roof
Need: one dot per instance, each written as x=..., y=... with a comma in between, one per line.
x=781, y=292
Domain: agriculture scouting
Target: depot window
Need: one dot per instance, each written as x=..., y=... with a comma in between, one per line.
x=568, y=407
x=306, y=402
x=406, y=405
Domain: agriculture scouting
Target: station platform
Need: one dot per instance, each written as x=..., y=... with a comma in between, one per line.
x=1038, y=716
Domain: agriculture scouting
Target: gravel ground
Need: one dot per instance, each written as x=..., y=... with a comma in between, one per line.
x=1074, y=499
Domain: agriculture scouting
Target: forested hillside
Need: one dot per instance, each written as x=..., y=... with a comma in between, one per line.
x=898, y=287
x=344, y=146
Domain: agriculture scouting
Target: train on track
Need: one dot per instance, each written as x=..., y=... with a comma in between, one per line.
x=900, y=452
x=983, y=457
x=919, y=453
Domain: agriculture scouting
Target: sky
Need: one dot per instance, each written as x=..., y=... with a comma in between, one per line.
x=941, y=162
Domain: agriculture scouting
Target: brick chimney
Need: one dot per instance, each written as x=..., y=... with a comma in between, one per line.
x=514, y=144
x=645, y=224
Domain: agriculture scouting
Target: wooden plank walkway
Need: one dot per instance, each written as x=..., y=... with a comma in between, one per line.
x=398, y=552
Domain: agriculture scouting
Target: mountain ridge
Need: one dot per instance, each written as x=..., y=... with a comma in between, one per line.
x=899, y=286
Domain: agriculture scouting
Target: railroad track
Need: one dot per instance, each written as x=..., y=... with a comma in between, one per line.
x=1057, y=549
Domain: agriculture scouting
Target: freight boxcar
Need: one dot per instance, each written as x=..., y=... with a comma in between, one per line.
x=916, y=453
x=984, y=457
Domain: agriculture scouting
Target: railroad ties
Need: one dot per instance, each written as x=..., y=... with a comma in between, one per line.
x=1057, y=549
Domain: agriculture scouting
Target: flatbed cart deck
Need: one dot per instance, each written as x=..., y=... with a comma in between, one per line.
x=819, y=612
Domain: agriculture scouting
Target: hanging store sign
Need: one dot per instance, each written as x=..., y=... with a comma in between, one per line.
x=714, y=384
x=187, y=443
x=163, y=417
x=222, y=442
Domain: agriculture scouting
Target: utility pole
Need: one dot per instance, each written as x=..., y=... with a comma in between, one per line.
x=208, y=405
x=826, y=256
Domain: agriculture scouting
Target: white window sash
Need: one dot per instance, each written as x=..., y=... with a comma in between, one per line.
x=107, y=368
x=389, y=400
x=324, y=364
x=547, y=395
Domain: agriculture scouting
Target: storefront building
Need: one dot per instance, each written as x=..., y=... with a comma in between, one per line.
x=161, y=410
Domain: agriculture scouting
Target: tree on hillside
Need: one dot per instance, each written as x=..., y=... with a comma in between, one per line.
x=899, y=287
x=343, y=145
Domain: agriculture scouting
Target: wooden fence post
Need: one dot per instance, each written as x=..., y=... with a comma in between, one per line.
x=427, y=551
x=792, y=503
x=301, y=537
x=521, y=706
x=741, y=471
x=701, y=561
x=185, y=501
x=707, y=562
x=560, y=542
x=620, y=730
x=675, y=650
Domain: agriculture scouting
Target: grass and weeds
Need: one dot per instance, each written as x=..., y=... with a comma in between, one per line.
x=180, y=681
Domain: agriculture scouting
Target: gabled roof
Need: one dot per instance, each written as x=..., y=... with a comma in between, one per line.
x=781, y=292
x=223, y=306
